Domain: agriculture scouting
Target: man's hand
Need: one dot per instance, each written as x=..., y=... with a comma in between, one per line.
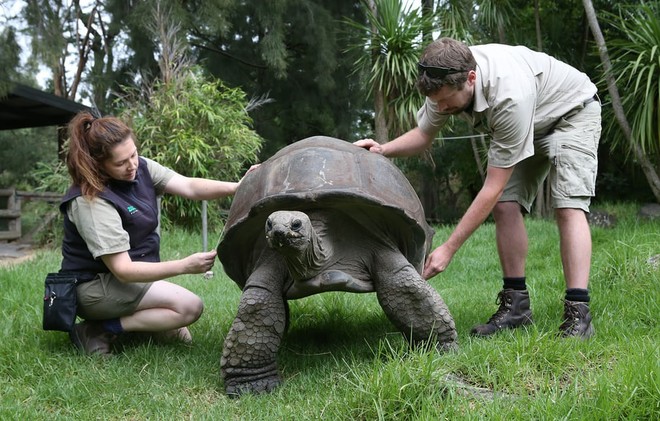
x=370, y=145
x=437, y=261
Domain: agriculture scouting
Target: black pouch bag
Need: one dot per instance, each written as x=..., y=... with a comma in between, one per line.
x=60, y=302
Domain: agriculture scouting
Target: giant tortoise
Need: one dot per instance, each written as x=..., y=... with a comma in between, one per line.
x=323, y=215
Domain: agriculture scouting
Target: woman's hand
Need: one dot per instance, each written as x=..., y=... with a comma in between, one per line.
x=200, y=262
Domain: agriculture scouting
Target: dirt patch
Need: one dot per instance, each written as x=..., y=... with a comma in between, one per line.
x=14, y=253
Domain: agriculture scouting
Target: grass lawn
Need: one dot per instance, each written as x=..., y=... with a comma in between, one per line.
x=342, y=359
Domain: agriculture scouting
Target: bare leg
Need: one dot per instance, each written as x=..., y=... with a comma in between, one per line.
x=511, y=237
x=575, y=246
x=514, y=309
x=165, y=306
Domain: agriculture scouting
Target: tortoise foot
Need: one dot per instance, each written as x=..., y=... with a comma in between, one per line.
x=235, y=388
x=446, y=346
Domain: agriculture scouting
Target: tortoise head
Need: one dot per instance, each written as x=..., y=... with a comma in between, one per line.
x=289, y=232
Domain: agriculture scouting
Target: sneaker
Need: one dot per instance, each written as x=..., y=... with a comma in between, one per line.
x=90, y=338
x=181, y=334
x=514, y=312
x=577, y=321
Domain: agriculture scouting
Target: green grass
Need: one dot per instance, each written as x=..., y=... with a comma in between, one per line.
x=343, y=360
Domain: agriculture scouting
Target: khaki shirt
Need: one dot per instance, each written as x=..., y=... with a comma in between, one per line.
x=99, y=223
x=518, y=96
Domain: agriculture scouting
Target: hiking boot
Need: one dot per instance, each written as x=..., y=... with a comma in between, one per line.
x=514, y=311
x=577, y=320
x=90, y=338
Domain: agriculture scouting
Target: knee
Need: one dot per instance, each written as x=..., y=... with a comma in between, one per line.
x=567, y=215
x=191, y=309
x=506, y=210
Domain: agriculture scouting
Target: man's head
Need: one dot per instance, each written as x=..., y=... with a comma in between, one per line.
x=447, y=75
x=444, y=62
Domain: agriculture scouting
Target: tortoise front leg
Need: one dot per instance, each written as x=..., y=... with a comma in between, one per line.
x=411, y=303
x=249, y=357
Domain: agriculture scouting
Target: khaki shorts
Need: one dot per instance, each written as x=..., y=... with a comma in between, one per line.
x=105, y=297
x=568, y=156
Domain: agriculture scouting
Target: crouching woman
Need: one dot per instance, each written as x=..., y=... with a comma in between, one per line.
x=111, y=237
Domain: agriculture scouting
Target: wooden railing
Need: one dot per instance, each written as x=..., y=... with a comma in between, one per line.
x=10, y=210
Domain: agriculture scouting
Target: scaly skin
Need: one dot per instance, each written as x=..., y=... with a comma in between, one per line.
x=248, y=363
x=410, y=303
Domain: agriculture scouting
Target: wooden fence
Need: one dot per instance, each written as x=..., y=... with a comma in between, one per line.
x=10, y=210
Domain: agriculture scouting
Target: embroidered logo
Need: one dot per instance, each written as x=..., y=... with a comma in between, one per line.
x=132, y=210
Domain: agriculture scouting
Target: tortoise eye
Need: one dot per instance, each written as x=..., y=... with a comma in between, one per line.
x=269, y=224
x=296, y=224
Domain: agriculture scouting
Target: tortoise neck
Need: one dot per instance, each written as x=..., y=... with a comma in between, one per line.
x=308, y=263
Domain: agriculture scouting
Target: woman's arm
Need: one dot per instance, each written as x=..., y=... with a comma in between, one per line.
x=126, y=270
x=200, y=188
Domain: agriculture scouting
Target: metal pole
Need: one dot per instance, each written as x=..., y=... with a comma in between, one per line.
x=205, y=243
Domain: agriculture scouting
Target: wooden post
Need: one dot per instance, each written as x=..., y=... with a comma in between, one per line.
x=11, y=213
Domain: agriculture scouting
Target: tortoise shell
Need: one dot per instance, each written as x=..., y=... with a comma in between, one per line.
x=333, y=175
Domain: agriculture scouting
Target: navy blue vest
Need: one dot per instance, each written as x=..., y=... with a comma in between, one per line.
x=136, y=203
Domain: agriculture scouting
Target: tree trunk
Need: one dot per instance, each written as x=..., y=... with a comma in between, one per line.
x=541, y=204
x=381, y=134
x=537, y=20
x=647, y=167
x=380, y=119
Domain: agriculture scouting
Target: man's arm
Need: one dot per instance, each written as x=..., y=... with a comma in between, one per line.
x=410, y=143
x=481, y=207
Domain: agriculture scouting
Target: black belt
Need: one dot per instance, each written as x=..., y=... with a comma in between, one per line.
x=590, y=100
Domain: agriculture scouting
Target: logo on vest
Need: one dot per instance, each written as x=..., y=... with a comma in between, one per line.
x=132, y=210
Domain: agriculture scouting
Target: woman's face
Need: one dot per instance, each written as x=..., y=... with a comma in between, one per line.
x=123, y=161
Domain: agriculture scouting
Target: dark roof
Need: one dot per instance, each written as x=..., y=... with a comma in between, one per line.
x=28, y=107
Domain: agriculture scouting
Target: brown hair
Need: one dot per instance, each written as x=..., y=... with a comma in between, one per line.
x=91, y=141
x=450, y=53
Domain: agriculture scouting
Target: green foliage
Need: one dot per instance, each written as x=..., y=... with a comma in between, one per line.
x=455, y=19
x=291, y=51
x=51, y=176
x=199, y=128
x=9, y=59
x=342, y=359
x=391, y=43
x=635, y=56
x=24, y=151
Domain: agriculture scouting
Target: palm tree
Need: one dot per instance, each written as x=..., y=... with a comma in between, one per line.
x=392, y=43
x=636, y=60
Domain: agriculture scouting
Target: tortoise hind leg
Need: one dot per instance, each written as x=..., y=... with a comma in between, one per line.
x=248, y=363
x=411, y=303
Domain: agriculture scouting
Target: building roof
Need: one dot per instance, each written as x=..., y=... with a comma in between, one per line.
x=29, y=107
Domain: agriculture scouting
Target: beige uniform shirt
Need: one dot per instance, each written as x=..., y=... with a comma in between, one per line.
x=519, y=95
x=99, y=223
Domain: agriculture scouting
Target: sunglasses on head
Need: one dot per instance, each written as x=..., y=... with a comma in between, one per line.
x=437, y=72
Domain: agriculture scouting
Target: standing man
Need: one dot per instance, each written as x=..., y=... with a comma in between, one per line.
x=543, y=118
